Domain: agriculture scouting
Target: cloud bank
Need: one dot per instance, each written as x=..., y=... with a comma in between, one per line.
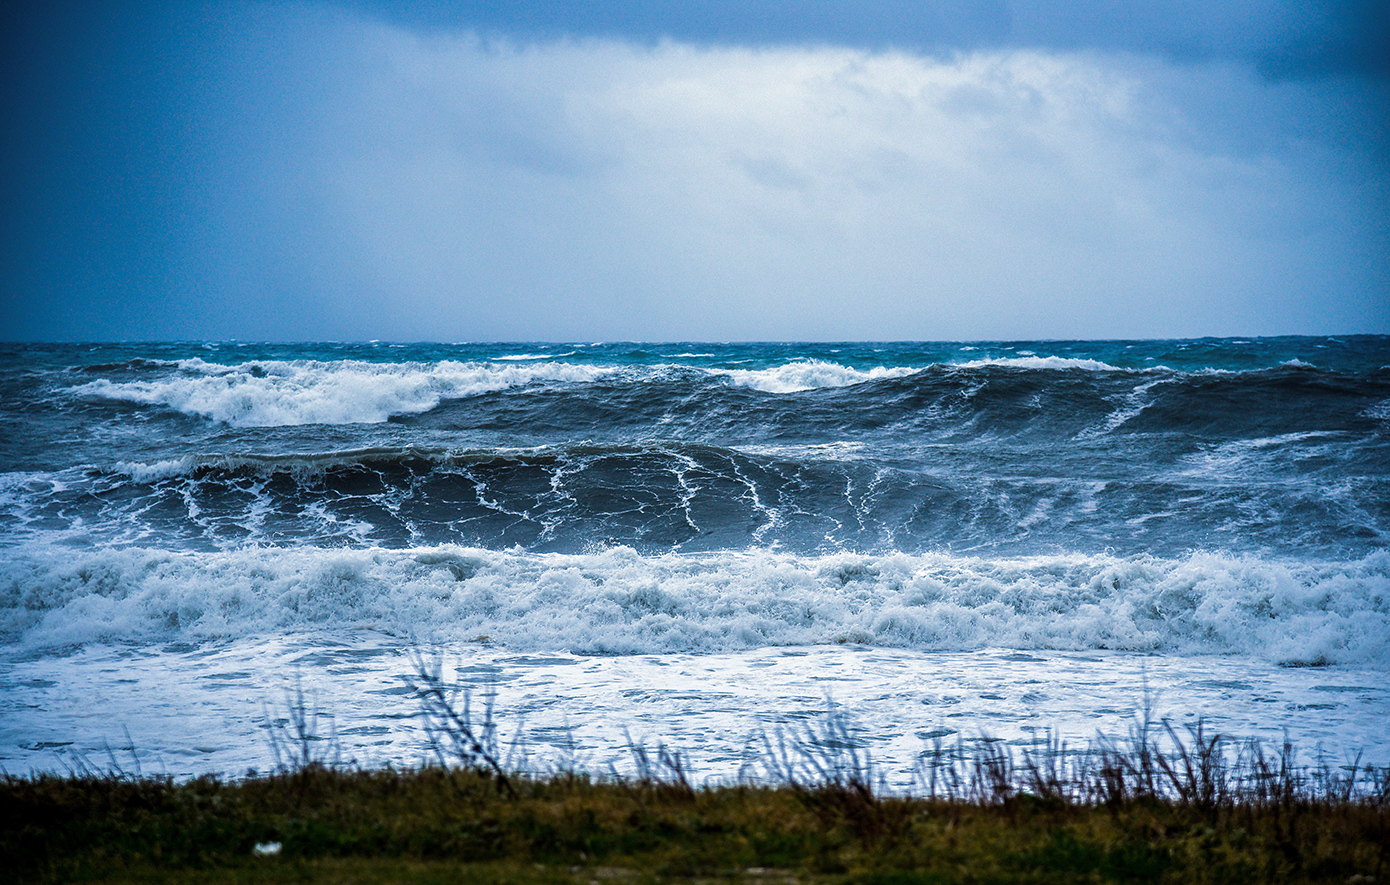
x=359, y=177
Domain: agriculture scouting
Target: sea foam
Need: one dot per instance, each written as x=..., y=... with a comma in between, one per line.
x=616, y=601
x=296, y=392
x=809, y=375
x=285, y=393
x=1051, y=363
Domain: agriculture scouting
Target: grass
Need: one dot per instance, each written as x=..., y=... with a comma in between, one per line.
x=1161, y=806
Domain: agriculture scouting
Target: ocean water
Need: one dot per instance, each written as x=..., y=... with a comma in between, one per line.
x=695, y=544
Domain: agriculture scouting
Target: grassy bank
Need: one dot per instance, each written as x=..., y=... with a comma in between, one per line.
x=436, y=824
x=1163, y=807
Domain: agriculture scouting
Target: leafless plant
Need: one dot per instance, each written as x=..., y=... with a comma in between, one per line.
x=453, y=734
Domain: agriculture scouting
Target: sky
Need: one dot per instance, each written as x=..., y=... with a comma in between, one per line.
x=718, y=170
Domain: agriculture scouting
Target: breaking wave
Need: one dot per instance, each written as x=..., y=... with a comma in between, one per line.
x=1052, y=363
x=617, y=601
x=809, y=375
x=284, y=393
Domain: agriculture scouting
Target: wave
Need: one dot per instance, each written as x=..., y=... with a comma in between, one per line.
x=1053, y=363
x=809, y=375
x=284, y=393
x=619, y=602
x=271, y=393
x=912, y=465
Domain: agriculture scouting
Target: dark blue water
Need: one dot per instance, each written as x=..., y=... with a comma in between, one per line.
x=1155, y=494
x=1278, y=446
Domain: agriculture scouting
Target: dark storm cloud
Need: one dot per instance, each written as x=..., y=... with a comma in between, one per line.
x=1282, y=38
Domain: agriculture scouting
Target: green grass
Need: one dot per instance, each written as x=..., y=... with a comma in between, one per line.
x=437, y=824
x=1162, y=807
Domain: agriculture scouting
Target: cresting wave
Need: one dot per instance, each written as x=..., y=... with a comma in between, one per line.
x=809, y=375
x=1053, y=362
x=619, y=602
x=283, y=393
x=271, y=393
x=278, y=393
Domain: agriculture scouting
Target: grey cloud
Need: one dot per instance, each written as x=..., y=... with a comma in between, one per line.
x=307, y=171
x=825, y=193
x=1284, y=38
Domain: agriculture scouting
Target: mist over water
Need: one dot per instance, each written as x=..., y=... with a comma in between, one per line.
x=1216, y=507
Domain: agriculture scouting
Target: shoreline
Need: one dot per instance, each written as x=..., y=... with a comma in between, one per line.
x=1162, y=807
x=198, y=710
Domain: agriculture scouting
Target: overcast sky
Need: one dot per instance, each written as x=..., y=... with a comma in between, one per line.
x=719, y=170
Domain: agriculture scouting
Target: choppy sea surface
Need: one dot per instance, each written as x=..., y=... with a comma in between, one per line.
x=690, y=543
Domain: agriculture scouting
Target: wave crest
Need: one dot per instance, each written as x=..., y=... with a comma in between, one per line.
x=1051, y=363
x=279, y=394
x=809, y=375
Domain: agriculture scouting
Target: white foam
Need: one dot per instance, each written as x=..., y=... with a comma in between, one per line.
x=1251, y=458
x=1048, y=362
x=283, y=393
x=842, y=450
x=168, y=469
x=619, y=602
x=809, y=375
x=1133, y=404
x=276, y=394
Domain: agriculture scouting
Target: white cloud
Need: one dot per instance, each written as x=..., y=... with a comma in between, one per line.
x=609, y=190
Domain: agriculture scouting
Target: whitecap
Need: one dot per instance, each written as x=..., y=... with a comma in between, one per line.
x=297, y=392
x=809, y=375
x=616, y=601
x=1045, y=362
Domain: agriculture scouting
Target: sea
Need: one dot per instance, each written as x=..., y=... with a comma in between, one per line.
x=707, y=547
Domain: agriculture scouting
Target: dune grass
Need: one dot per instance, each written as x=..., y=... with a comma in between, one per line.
x=1161, y=806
